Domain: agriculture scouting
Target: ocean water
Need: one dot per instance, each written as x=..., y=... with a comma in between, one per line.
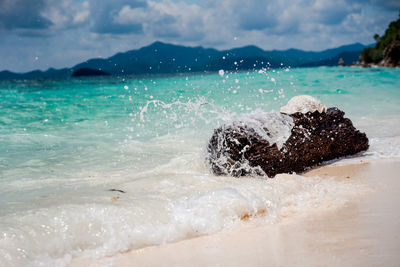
x=64, y=144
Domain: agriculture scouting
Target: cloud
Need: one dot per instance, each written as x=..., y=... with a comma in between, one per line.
x=171, y=19
x=66, y=14
x=328, y=12
x=181, y=20
x=104, y=16
x=165, y=19
x=254, y=15
x=42, y=18
x=20, y=14
x=387, y=4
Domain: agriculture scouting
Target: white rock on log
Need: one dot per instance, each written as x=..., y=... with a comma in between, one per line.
x=303, y=104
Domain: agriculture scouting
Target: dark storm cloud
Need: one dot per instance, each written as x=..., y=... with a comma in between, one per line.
x=103, y=16
x=23, y=14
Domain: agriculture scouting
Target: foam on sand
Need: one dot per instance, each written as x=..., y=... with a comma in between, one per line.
x=360, y=232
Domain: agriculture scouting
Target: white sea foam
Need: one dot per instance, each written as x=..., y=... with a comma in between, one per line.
x=272, y=126
x=388, y=147
x=379, y=148
x=174, y=201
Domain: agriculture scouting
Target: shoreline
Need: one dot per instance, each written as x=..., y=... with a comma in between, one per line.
x=361, y=232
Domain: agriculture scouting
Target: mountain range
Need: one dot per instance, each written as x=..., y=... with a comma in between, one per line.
x=163, y=58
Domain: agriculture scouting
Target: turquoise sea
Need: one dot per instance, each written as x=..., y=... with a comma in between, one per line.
x=65, y=143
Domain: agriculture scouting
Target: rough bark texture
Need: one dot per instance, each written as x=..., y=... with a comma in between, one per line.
x=391, y=55
x=316, y=137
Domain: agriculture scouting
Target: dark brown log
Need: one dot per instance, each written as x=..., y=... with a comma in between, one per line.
x=315, y=137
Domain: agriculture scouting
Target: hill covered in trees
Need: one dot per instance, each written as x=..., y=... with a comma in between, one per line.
x=162, y=58
x=387, y=49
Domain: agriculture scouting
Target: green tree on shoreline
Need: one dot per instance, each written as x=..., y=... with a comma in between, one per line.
x=376, y=54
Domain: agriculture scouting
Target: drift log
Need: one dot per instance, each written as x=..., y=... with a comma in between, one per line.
x=315, y=137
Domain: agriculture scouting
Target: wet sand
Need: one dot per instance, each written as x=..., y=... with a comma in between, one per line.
x=365, y=231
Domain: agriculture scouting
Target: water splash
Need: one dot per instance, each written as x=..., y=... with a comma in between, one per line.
x=272, y=126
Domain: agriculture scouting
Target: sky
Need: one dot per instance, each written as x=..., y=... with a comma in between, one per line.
x=39, y=34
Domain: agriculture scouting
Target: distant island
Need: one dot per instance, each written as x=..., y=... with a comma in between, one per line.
x=88, y=72
x=386, y=52
x=163, y=58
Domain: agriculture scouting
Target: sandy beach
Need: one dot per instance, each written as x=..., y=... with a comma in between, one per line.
x=364, y=231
